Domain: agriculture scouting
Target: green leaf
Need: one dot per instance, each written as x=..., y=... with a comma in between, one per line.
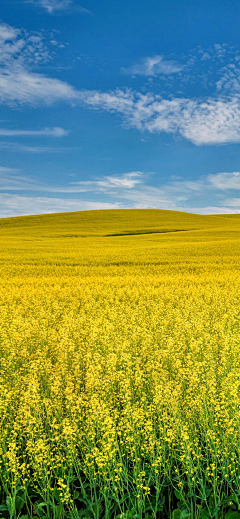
x=204, y=513
x=39, y=509
x=176, y=514
x=85, y=513
x=58, y=511
x=10, y=505
x=184, y=514
x=19, y=503
x=178, y=494
x=56, y=494
x=211, y=503
x=232, y=515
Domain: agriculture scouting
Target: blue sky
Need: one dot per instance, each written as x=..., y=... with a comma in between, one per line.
x=119, y=104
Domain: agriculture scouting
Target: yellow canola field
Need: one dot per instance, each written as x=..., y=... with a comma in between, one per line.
x=120, y=363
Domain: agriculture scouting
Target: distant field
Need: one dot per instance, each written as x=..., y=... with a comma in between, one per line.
x=120, y=365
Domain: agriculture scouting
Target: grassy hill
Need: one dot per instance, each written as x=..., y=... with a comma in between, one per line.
x=109, y=222
x=115, y=237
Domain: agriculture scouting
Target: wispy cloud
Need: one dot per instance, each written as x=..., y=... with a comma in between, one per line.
x=45, y=132
x=225, y=181
x=12, y=180
x=24, y=148
x=153, y=66
x=125, y=181
x=202, y=121
x=4, y=170
x=234, y=203
x=24, y=87
x=132, y=189
x=56, y=6
x=20, y=48
x=20, y=205
x=229, y=81
x=19, y=52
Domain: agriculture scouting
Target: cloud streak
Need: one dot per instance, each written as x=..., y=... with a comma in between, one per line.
x=45, y=132
x=153, y=66
x=24, y=148
x=23, y=87
x=19, y=52
x=20, y=205
x=106, y=183
x=225, y=181
x=129, y=190
x=53, y=6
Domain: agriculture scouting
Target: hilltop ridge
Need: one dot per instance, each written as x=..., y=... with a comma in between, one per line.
x=110, y=222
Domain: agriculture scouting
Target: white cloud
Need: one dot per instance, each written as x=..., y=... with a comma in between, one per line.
x=46, y=132
x=21, y=86
x=18, y=48
x=210, y=121
x=176, y=194
x=53, y=6
x=8, y=33
x=3, y=169
x=233, y=202
x=19, y=51
x=154, y=66
x=225, y=181
x=16, y=146
x=18, y=205
x=229, y=80
x=12, y=180
x=212, y=210
x=125, y=181
x=127, y=190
